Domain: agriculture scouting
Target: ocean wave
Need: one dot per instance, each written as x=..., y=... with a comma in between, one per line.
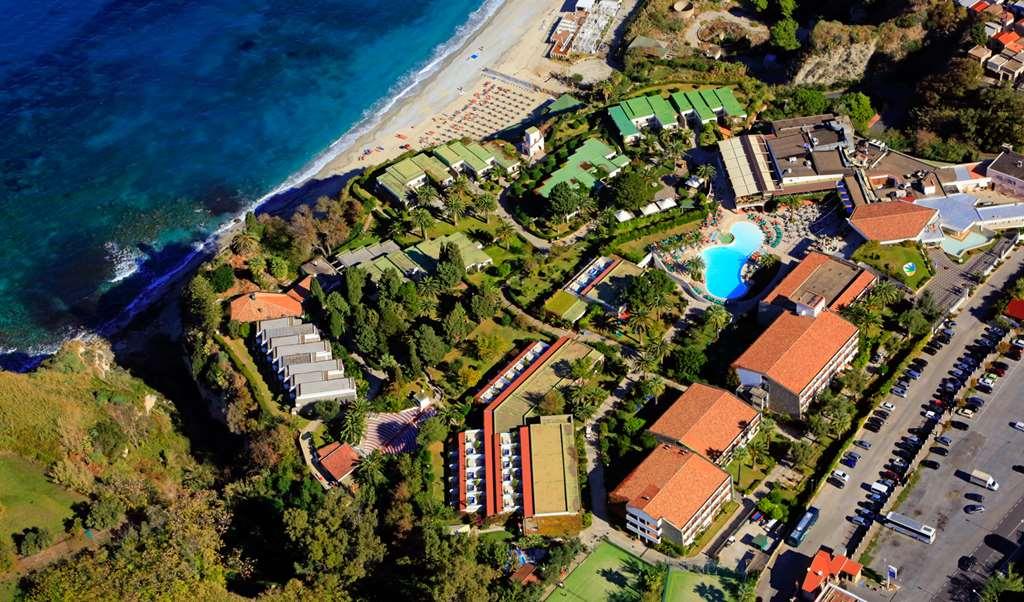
x=125, y=261
x=369, y=120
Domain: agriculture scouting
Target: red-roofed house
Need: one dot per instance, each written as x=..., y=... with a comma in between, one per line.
x=980, y=7
x=817, y=283
x=253, y=307
x=891, y=222
x=336, y=462
x=828, y=568
x=301, y=290
x=711, y=421
x=796, y=357
x=1006, y=38
x=673, y=494
x=1015, y=310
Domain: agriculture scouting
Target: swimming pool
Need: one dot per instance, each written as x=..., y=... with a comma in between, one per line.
x=723, y=263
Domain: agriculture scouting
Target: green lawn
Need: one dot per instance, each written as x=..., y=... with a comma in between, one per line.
x=891, y=259
x=747, y=477
x=436, y=484
x=244, y=363
x=606, y=574
x=686, y=586
x=29, y=499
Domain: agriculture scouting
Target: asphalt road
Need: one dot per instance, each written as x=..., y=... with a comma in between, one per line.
x=834, y=529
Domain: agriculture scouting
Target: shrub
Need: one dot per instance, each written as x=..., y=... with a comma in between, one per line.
x=104, y=512
x=34, y=540
x=222, y=278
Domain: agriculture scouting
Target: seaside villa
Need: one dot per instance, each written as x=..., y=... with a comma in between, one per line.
x=408, y=175
x=634, y=115
x=589, y=164
x=471, y=158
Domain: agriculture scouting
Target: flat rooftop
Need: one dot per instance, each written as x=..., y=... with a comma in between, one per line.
x=554, y=466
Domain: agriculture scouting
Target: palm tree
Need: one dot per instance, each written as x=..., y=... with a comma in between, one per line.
x=353, y=423
x=454, y=206
x=747, y=591
x=717, y=317
x=370, y=470
x=504, y=234
x=400, y=225
x=740, y=456
x=245, y=243
x=651, y=355
x=707, y=171
x=422, y=219
x=425, y=195
x=999, y=583
x=885, y=292
x=483, y=204
x=695, y=267
x=582, y=370
x=453, y=415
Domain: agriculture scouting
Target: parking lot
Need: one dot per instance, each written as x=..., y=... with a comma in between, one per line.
x=940, y=499
x=838, y=506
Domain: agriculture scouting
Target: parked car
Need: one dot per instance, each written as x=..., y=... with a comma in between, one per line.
x=849, y=461
x=983, y=388
x=998, y=372
x=936, y=449
x=975, y=497
x=966, y=412
x=1013, y=354
x=860, y=520
x=913, y=374
x=974, y=508
x=930, y=415
x=1018, y=425
x=881, y=414
x=1001, y=365
x=898, y=392
x=944, y=440
x=888, y=405
x=966, y=563
x=930, y=464
x=888, y=474
x=862, y=444
x=876, y=497
x=888, y=483
x=920, y=361
x=1018, y=343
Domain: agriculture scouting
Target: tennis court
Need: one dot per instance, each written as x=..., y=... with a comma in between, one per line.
x=688, y=586
x=608, y=571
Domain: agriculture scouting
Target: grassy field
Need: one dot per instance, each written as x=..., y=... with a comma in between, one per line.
x=29, y=499
x=748, y=476
x=686, y=586
x=244, y=363
x=436, y=485
x=607, y=573
x=640, y=245
x=891, y=258
x=507, y=338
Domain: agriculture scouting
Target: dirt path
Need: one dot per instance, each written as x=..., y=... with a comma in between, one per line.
x=61, y=549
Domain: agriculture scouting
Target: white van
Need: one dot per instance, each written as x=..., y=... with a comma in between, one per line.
x=879, y=488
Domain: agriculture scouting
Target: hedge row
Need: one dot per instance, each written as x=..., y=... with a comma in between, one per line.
x=687, y=217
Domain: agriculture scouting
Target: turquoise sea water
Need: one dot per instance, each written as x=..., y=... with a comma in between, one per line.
x=723, y=264
x=133, y=129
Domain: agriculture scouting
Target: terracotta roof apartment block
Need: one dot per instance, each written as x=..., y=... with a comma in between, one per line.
x=708, y=420
x=795, y=349
x=264, y=306
x=891, y=221
x=835, y=281
x=671, y=484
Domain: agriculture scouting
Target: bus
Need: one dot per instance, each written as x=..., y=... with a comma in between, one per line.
x=910, y=527
x=806, y=522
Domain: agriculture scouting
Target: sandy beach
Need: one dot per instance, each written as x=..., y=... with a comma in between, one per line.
x=459, y=99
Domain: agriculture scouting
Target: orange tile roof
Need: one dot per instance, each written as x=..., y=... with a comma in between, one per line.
x=301, y=290
x=863, y=281
x=264, y=306
x=670, y=484
x=794, y=349
x=1007, y=37
x=806, y=269
x=891, y=220
x=825, y=566
x=705, y=419
x=337, y=459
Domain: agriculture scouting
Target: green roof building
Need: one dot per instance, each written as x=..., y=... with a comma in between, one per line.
x=704, y=112
x=682, y=105
x=583, y=167
x=565, y=306
x=730, y=105
x=564, y=102
x=635, y=114
x=711, y=99
x=405, y=176
x=427, y=253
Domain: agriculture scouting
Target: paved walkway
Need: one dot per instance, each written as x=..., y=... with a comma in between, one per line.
x=305, y=442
